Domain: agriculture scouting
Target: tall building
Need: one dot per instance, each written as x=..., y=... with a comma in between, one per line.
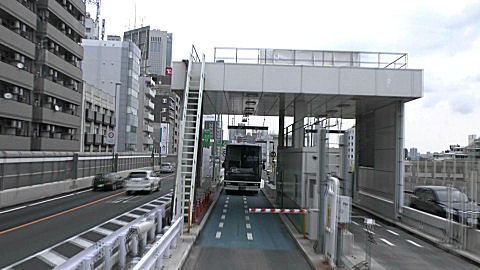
x=98, y=119
x=92, y=29
x=351, y=147
x=471, y=139
x=413, y=153
x=156, y=48
x=114, y=67
x=145, y=114
x=40, y=78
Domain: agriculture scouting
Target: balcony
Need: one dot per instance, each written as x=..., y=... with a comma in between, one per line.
x=89, y=115
x=63, y=15
x=89, y=138
x=112, y=121
x=16, y=76
x=17, y=42
x=15, y=143
x=20, y=11
x=106, y=120
x=149, y=129
x=78, y=4
x=55, y=144
x=60, y=64
x=98, y=117
x=147, y=115
x=150, y=92
x=15, y=109
x=149, y=104
x=59, y=37
x=147, y=140
x=58, y=90
x=98, y=139
x=46, y=115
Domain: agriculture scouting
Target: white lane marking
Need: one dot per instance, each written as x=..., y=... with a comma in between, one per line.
x=245, y=206
x=220, y=225
x=102, y=231
x=225, y=206
x=387, y=242
x=368, y=231
x=131, y=215
x=81, y=242
x=224, y=210
x=218, y=235
x=248, y=226
x=392, y=232
x=247, y=218
x=378, y=225
x=413, y=243
x=246, y=211
x=228, y=197
x=13, y=209
x=223, y=217
x=354, y=222
x=119, y=222
x=52, y=258
x=80, y=192
x=249, y=236
x=49, y=200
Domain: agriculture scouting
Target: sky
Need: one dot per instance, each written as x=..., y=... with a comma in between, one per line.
x=440, y=37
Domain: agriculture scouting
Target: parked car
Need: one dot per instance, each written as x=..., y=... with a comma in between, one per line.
x=111, y=181
x=167, y=168
x=435, y=200
x=143, y=180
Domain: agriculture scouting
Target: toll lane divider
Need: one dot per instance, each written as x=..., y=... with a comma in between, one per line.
x=283, y=211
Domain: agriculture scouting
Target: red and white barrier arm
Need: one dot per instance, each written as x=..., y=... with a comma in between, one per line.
x=277, y=210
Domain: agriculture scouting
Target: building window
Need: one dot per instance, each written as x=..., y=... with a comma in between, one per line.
x=164, y=110
x=164, y=101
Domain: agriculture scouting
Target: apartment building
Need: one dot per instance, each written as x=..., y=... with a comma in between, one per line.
x=41, y=78
x=145, y=114
x=98, y=119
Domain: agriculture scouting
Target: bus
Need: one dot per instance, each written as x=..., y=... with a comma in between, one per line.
x=243, y=167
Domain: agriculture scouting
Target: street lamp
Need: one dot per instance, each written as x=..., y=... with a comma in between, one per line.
x=116, y=127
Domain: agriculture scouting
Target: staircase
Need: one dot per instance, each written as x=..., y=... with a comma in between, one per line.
x=190, y=127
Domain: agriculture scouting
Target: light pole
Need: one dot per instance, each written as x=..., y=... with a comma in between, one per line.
x=116, y=127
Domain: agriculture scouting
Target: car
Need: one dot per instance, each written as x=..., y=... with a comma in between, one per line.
x=109, y=181
x=435, y=200
x=142, y=180
x=167, y=167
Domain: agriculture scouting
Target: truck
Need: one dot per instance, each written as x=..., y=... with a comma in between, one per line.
x=243, y=168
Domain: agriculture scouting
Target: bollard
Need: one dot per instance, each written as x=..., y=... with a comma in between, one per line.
x=122, y=252
x=159, y=220
x=134, y=245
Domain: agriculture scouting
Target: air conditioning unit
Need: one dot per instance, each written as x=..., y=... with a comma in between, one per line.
x=16, y=90
x=62, y=26
x=51, y=72
x=51, y=45
x=71, y=131
x=49, y=100
x=16, y=25
x=24, y=28
x=64, y=2
x=75, y=86
x=13, y=124
x=70, y=7
x=19, y=124
x=47, y=14
x=57, y=48
x=71, y=107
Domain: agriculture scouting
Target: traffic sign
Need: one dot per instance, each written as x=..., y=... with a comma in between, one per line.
x=110, y=138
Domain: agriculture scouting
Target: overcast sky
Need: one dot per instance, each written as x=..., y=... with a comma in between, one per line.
x=441, y=37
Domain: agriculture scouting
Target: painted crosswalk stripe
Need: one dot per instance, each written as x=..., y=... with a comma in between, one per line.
x=249, y=236
x=52, y=258
x=218, y=235
x=392, y=232
x=413, y=243
x=220, y=225
x=102, y=231
x=354, y=222
x=387, y=242
x=224, y=210
x=248, y=226
x=223, y=217
x=118, y=222
x=81, y=242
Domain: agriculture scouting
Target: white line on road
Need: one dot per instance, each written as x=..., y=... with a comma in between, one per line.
x=245, y=206
x=354, y=222
x=225, y=206
x=220, y=225
x=248, y=226
x=102, y=231
x=81, y=242
x=387, y=242
x=224, y=210
x=49, y=200
x=247, y=218
x=223, y=217
x=413, y=243
x=52, y=258
x=392, y=232
x=218, y=235
x=246, y=211
x=249, y=236
x=368, y=231
x=80, y=192
x=13, y=209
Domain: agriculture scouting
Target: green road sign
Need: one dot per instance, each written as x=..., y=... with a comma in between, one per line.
x=206, y=138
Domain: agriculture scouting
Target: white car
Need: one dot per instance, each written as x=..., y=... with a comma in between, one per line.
x=144, y=180
x=167, y=168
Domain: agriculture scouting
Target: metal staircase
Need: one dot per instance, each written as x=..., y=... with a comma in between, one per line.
x=190, y=127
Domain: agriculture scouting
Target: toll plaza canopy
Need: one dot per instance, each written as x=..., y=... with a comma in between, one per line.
x=370, y=87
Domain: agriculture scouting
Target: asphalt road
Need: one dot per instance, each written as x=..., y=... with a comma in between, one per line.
x=396, y=249
x=37, y=226
x=234, y=239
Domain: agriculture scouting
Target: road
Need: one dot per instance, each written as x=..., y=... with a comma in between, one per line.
x=397, y=250
x=31, y=229
x=234, y=239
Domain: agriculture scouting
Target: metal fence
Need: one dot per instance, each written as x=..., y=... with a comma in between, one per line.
x=390, y=60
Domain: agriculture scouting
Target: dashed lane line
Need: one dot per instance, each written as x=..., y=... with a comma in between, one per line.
x=368, y=231
x=387, y=242
x=223, y=217
x=248, y=226
x=52, y=258
x=220, y=225
x=247, y=218
x=224, y=211
x=355, y=223
x=249, y=236
x=218, y=235
x=413, y=243
x=392, y=232
x=81, y=242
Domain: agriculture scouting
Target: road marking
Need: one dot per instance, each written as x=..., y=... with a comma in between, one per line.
x=387, y=242
x=59, y=213
x=102, y=231
x=245, y=206
x=81, y=242
x=248, y=226
x=220, y=225
x=225, y=206
x=247, y=218
x=246, y=211
x=228, y=197
x=13, y=209
x=49, y=200
x=368, y=231
x=224, y=210
x=355, y=223
x=131, y=215
x=223, y=217
x=413, y=243
x=218, y=235
x=249, y=236
x=119, y=222
x=52, y=258
x=80, y=192
x=392, y=232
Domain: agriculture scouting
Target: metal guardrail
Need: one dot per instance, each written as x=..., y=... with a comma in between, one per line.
x=389, y=60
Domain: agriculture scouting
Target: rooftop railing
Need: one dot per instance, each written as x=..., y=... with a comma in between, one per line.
x=311, y=58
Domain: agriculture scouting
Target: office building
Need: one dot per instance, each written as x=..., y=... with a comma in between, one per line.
x=145, y=114
x=41, y=79
x=114, y=67
x=97, y=120
x=92, y=29
x=156, y=49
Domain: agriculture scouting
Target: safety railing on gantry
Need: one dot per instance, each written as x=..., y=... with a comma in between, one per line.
x=391, y=60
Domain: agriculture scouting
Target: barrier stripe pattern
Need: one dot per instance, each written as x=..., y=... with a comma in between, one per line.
x=277, y=210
